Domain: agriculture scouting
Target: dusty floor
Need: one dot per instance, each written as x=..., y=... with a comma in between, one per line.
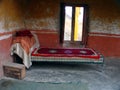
x=57, y=76
x=94, y=76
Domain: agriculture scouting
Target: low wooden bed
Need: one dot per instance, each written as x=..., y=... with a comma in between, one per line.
x=84, y=55
x=26, y=46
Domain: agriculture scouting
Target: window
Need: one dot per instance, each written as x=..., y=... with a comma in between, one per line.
x=73, y=24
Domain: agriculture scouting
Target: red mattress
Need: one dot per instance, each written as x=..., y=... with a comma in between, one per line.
x=69, y=53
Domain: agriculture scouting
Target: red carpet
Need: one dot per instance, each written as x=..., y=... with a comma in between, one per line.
x=54, y=52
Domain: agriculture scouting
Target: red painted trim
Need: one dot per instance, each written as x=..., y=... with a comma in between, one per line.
x=6, y=33
x=103, y=34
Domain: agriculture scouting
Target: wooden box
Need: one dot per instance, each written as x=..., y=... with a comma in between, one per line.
x=14, y=70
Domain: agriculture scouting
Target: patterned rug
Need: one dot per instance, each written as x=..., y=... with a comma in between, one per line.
x=54, y=52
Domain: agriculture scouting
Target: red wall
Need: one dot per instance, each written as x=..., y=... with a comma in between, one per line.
x=107, y=44
x=48, y=38
x=5, y=45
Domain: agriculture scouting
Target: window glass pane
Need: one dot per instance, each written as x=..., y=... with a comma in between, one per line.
x=78, y=29
x=68, y=23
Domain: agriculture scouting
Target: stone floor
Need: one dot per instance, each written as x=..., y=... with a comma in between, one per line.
x=96, y=77
x=68, y=77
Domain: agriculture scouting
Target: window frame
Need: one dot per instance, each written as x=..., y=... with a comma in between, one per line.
x=85, y=22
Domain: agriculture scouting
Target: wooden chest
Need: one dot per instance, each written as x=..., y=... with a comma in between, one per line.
x=14, y=70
